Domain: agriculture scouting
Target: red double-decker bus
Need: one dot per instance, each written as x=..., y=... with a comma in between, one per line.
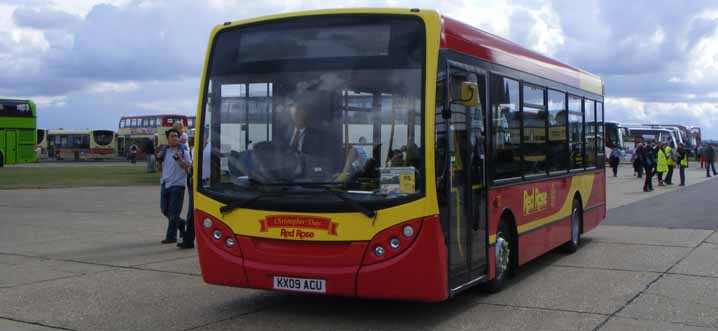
x=389, y=153
x=145, y=130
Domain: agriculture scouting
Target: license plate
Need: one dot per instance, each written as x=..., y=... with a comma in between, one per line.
x=300, y=284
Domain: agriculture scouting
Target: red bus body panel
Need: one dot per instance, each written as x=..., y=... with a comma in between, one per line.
x=556, y=230
x=102, y=150
x=419, y=273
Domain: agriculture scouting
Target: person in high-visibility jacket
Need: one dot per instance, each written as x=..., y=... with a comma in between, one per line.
x=661, y=163
x=670, y=163
x=682, y=163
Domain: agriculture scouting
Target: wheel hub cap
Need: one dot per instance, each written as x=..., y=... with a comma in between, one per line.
x=574, y=226
x=502, y=255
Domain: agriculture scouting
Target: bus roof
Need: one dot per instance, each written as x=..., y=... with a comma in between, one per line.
x=73, y=131
x=467, y=39
x=153, y=115
x=643, y=128
x=470, y=40
x=15, y=100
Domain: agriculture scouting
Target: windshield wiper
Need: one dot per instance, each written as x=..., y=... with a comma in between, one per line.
x=237, y=204
x=325, y=187
x=329, y=188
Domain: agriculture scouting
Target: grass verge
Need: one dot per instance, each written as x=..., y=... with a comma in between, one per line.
x=53, y=177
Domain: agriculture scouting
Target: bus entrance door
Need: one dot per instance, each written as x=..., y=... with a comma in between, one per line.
x=11, y=147
x=466, y=220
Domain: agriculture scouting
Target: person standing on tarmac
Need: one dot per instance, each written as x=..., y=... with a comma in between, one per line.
x=613, y=160
x=670, y=155
x=661, y=163
x=647, y=161
x=637, y=160
x=133, y=153
x=682, y=163
x=176, y=163
x=710, y=155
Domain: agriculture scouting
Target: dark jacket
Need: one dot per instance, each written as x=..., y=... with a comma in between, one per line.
x=651, y=156
x=709, y=153
x=641, y=157
x=614, y=159
x=312, y=142
x=148, y=148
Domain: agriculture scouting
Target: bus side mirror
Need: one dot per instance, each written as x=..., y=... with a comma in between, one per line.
x=469, y=94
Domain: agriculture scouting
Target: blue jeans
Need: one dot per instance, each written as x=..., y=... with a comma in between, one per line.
x=171, y=199
x=189, y=231
x=710, y=165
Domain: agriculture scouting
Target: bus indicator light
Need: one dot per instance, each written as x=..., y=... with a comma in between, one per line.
x=217, y=234
x=408, y=231
x=229, y=242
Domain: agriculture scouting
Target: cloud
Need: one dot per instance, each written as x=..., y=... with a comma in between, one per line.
x=629, y=110
x=659, y=56
x=87, y=108
x=45, y=18
x=112, y=87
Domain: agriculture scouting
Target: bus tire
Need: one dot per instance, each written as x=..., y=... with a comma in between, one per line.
x=2, y=161
x=576, y=225
x=505, y=256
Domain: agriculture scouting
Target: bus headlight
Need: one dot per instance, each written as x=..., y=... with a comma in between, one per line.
x=394, y=243
x=207, y=223
x=229, y=242
x=217, y=234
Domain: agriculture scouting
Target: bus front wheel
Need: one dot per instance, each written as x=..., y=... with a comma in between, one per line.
x=576, y=224
x=504, y=257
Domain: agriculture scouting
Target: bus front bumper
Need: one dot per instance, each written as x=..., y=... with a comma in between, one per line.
x=419, y=273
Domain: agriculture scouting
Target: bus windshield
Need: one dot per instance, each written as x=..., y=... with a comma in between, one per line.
x=103, y=137
x=12, y=108
x=334, y=101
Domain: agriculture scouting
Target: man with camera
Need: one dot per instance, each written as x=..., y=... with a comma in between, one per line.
x=176, y=163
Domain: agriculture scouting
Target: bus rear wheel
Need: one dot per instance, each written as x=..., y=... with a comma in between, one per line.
x=504, y=257
x=576, y=224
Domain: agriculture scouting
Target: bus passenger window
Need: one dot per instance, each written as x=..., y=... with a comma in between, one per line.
x=575, y=129
x=506, y=128
x=534, y=120
x=557, y=147
x=590, y=119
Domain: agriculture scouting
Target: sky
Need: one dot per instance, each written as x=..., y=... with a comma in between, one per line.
x=86, y=63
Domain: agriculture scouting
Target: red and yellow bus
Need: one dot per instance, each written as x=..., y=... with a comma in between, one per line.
x=145, y=130
x=78, y=144
x=388, y=153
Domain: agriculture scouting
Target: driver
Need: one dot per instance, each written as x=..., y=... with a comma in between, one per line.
x=304, y=138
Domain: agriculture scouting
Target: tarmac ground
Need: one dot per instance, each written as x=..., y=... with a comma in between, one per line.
x=90, y=259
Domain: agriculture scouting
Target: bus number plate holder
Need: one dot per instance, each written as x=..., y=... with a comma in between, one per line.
x=300, y=284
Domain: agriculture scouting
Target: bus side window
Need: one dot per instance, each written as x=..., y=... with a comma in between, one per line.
x=506, y=128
